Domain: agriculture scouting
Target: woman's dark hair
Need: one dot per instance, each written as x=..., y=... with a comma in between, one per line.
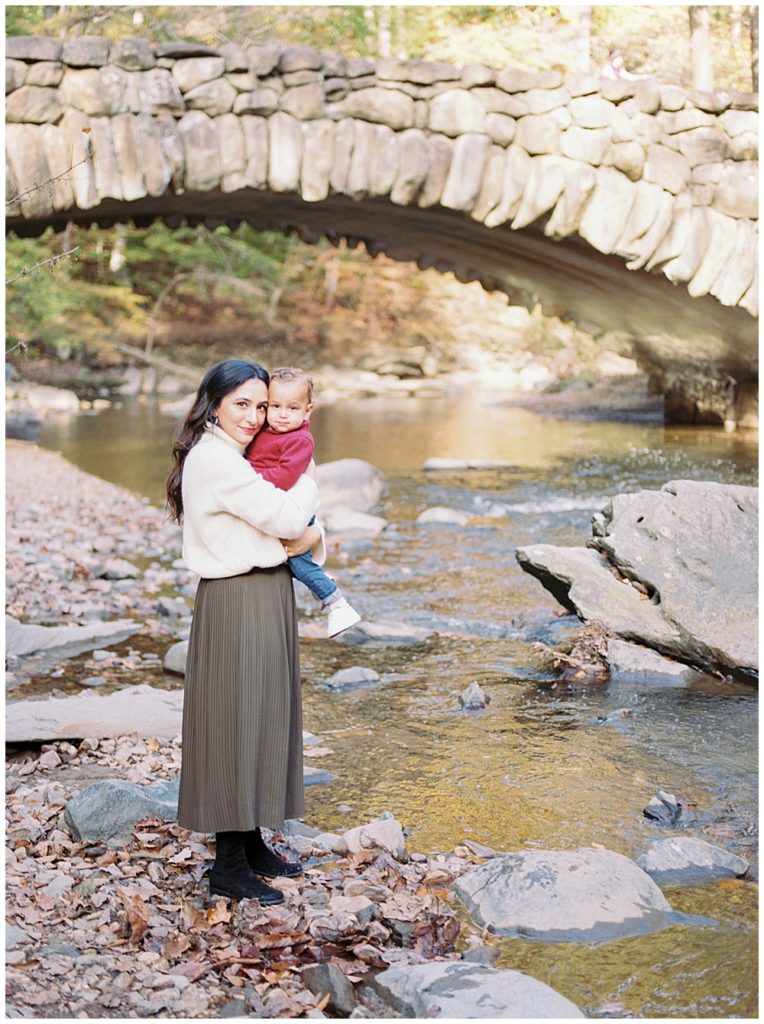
x=219, y=381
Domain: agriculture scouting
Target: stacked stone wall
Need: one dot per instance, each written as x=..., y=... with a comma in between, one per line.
x=662, y=179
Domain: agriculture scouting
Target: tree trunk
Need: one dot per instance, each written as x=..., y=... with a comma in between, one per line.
x=701, y=58
x=753, y=14
x=384, y=34
x=737, y=20
x=582, y=40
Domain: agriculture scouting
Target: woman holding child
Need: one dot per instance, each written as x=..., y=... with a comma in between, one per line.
x=242, y=713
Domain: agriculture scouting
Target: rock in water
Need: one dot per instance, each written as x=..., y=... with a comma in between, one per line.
x=683, y=860
x=459, y=990
x=583, y=895
x=350, y=482
x=664, y=808
x=354, y=678
x=675, y=569
x=473, y=698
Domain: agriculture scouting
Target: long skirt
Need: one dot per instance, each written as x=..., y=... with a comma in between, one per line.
x=242, y=708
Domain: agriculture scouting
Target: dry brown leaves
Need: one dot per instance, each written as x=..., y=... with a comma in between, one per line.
x=133, y=932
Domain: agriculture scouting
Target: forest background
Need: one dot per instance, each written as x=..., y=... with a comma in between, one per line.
x=196, y=294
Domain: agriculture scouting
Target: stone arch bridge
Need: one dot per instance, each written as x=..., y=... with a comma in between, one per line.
x=628, y=206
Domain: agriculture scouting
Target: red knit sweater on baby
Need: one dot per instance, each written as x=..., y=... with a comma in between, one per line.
x=281, y=458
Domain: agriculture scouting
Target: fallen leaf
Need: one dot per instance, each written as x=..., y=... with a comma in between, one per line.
x=138, y=915
x=218, y=913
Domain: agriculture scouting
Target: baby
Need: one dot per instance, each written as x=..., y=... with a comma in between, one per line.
x=280, y=453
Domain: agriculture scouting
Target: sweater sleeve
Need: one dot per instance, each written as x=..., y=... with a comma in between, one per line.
x=245, y=494
x=296, y=453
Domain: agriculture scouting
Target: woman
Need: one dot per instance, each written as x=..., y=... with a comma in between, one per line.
x=242, y=713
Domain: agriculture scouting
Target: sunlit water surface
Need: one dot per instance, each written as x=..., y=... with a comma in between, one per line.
x=537, y=768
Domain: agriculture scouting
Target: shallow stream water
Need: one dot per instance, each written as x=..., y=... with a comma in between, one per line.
x=537, y=768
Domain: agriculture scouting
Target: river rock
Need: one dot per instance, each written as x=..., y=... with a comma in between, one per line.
x=175, y=658
x=583, y=895
x=693, y=546
x=328, y=979
x=440, y=514
x=632, y=663
x=117, y=569
x=383, y=633
x=67, y=641
x=135, y=710
x=445, y=463
x=342, y=519
x=663, y=808
x=473, y=698
x=384, y=833
x=459, y=990
x=683, y=860
x=21, y=396
x=350, y=482
x=353, y=678
x=316, y=776
x=110, y=808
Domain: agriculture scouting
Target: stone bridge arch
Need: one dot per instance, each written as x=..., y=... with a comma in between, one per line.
x=628, y=206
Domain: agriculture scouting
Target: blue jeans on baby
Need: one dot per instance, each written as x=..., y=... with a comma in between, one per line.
x=305, y=570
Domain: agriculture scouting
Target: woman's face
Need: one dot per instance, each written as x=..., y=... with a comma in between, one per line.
x=241, y=413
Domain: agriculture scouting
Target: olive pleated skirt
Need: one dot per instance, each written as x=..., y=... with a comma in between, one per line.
x=242, y=707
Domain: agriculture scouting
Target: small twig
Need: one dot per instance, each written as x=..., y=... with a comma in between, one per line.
x=248, y=961
x=48, y=181
x=51, y=259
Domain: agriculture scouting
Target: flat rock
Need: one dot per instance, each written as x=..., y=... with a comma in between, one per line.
x=442, y=462
x=23, y=639
x=441, y=514
x=583, y=895
x=383, y=633
x=683, y=860
x=136, y=710
x=459, y=990
x=316, y=776
x=354, y=678
x=632, y=663
x=341, y=519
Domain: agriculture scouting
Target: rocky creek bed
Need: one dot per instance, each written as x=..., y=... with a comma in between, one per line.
x=118, y=924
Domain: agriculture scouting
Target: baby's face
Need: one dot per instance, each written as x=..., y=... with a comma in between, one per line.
x=288, y=405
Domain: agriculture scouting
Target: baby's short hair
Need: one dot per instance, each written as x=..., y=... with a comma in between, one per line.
x=294, y=373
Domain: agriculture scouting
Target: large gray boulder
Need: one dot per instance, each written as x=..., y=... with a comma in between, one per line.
x=693, y=547
x=459, y=990
x=583, y=895
x=683, y=860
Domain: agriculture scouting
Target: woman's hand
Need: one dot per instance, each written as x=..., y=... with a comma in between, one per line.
x=305, y=542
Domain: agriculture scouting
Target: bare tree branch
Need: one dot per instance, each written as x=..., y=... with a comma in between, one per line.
x=52, y=260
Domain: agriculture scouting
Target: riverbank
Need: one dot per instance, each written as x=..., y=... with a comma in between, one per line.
x=96, y=929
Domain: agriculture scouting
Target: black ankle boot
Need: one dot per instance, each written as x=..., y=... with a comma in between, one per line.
x=231, y=875
x=263, y=861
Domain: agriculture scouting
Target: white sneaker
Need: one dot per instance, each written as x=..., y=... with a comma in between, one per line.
x=341, y=617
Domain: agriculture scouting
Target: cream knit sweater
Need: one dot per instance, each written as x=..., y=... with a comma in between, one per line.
x=232, y=518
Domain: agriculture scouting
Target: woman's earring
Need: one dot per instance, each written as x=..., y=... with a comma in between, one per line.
x=214, y=420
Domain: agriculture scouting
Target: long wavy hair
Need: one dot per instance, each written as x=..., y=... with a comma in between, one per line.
x=219, y=381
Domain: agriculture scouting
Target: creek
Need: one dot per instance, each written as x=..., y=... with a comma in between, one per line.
x=537, y=768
